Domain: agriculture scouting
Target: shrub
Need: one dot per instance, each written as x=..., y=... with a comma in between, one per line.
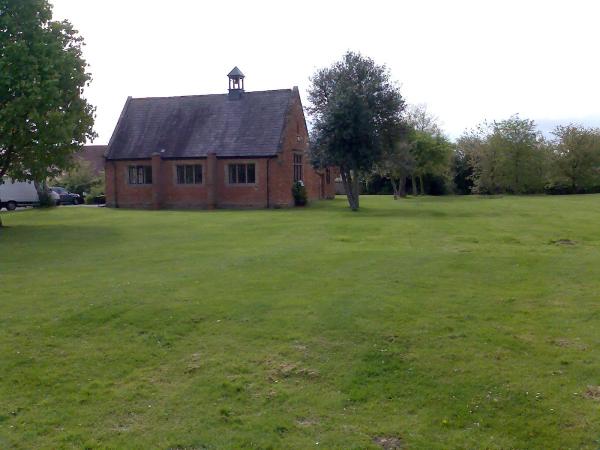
x=91, y=197
x=299, y=193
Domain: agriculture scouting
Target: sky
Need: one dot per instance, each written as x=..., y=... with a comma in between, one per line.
x=468, y=61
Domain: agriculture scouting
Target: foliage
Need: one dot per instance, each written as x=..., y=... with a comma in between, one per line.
x=355, y=110
x=95, y=192
x=576, y=152
x=44, y=118
x=377, y=184
x=420, y=152
x=460, y=322
x=418, y=118
x=299, y=193
x=509, y=156
x=398, y=163
x=462, y=171
x=432, y=155
x=81, y=179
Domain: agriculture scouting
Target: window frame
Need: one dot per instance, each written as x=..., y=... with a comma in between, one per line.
x=236, y=170
x=138, y=172
x=298, y=167
x=189, y=169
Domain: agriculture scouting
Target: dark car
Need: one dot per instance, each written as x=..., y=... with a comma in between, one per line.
x=66, y=197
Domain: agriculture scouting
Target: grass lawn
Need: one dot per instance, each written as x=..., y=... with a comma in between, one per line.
x=436, y=322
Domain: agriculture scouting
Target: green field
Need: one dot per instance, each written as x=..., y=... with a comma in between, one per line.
x=428, y=323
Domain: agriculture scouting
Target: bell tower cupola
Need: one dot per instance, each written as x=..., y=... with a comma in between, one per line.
x=236, y=84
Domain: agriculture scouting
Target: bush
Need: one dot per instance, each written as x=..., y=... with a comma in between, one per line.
x=299, y=193
x=91, y=198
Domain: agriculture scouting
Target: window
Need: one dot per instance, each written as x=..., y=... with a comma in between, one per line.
x=242, y=174
x=189, y=174
x=328, y=175
x=140, y=174
x=298, y=175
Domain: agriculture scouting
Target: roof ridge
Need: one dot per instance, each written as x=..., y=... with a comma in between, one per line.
x=208, y=95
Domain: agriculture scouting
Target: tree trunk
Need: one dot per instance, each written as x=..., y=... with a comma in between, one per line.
x=414, y=185
x=395, y=188
x=352, y=187
x=355, y=190
x=421, y=183
x=402, y=187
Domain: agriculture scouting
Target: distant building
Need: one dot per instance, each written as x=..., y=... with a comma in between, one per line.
x=241, y=149
x=94, y=156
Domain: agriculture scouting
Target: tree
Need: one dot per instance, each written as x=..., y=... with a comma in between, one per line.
x=482, y=159
x=520, y=159
x=509, y=156
x=577, y=157
x=80, y=179
x=397, y=164
x=44, y=118
x=420, y=119
x=356, y=111
x=432, y=153
x=462, y=171
x=431, y=149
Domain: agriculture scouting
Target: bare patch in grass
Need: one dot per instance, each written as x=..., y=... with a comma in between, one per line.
x=301, y=347
x=592, y=393
x=306, y=422
x=388, y=442
x=126, y=423
x=289, y=370
x=563, y=242
x=194, y=363
x=569, y=343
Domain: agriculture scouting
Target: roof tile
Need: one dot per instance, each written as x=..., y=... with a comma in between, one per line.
x=193, y=126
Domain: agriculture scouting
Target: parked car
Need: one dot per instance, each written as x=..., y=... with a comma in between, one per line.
x=67, y=197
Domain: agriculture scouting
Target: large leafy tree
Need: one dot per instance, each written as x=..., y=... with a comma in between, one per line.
x=509, y=156
x=432, y=153
x=431, y=150
x=577, y=157
x=520, y=149
x=356, y=111
x=44, y=117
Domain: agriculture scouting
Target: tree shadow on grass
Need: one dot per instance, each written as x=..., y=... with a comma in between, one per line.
x=20, y=236
x=396, y=210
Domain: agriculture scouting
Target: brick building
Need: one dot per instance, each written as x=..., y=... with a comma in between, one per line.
x=235, y=150
x=93, y=156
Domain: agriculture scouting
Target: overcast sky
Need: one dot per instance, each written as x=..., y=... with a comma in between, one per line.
x=467, y=60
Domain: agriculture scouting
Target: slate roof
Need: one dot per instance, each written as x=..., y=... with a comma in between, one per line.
x=94, y=155
x=193, y=126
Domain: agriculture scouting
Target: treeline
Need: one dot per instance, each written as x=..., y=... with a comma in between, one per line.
x=505, y=157
x=362, y=125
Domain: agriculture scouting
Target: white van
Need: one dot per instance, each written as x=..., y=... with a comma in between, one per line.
x=18, y=193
